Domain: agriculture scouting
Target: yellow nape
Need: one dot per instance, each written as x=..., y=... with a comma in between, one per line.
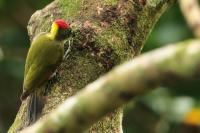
x=54, y=31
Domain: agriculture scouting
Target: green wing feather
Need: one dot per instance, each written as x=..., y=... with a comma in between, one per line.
x=30, y=55
x=43, y=57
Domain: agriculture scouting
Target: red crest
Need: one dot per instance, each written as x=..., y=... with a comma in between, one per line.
x=62, y=24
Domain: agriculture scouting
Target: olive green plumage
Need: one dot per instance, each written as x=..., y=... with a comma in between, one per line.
x=43, y=57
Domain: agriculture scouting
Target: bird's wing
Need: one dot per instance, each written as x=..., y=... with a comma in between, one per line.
x=33, y=47
x=37, y=74
x=41, y=61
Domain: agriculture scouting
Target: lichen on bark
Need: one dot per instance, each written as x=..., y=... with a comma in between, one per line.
x=106, y=33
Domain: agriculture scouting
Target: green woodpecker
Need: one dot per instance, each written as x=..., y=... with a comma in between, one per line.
x=44, y=56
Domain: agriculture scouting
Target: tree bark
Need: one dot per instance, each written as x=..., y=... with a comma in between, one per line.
x=107, y=33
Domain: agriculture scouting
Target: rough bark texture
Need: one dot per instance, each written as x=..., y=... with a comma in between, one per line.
x=164, y=66
x=106, y=33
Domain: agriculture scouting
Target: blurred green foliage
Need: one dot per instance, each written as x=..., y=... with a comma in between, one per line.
x=160, y=111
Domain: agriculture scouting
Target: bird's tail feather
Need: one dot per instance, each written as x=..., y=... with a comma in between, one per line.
x=34, y=108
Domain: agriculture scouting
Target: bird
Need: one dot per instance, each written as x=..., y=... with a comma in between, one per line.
x=44, y=56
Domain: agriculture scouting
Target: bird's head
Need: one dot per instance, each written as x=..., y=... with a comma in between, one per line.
x=60, y=30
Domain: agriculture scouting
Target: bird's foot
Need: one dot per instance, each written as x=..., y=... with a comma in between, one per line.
x=53, y=79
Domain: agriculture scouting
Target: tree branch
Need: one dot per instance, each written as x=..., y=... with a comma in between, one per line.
x=159, y=67
x=191, y=11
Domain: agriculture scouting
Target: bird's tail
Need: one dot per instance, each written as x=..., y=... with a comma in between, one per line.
x=34, y=108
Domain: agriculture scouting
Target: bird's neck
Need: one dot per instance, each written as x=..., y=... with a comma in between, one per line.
x=54, y=31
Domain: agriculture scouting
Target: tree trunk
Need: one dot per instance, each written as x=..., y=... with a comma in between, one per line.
x=107, y=33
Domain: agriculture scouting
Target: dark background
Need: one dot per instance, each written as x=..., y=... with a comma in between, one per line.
x=160, y=111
